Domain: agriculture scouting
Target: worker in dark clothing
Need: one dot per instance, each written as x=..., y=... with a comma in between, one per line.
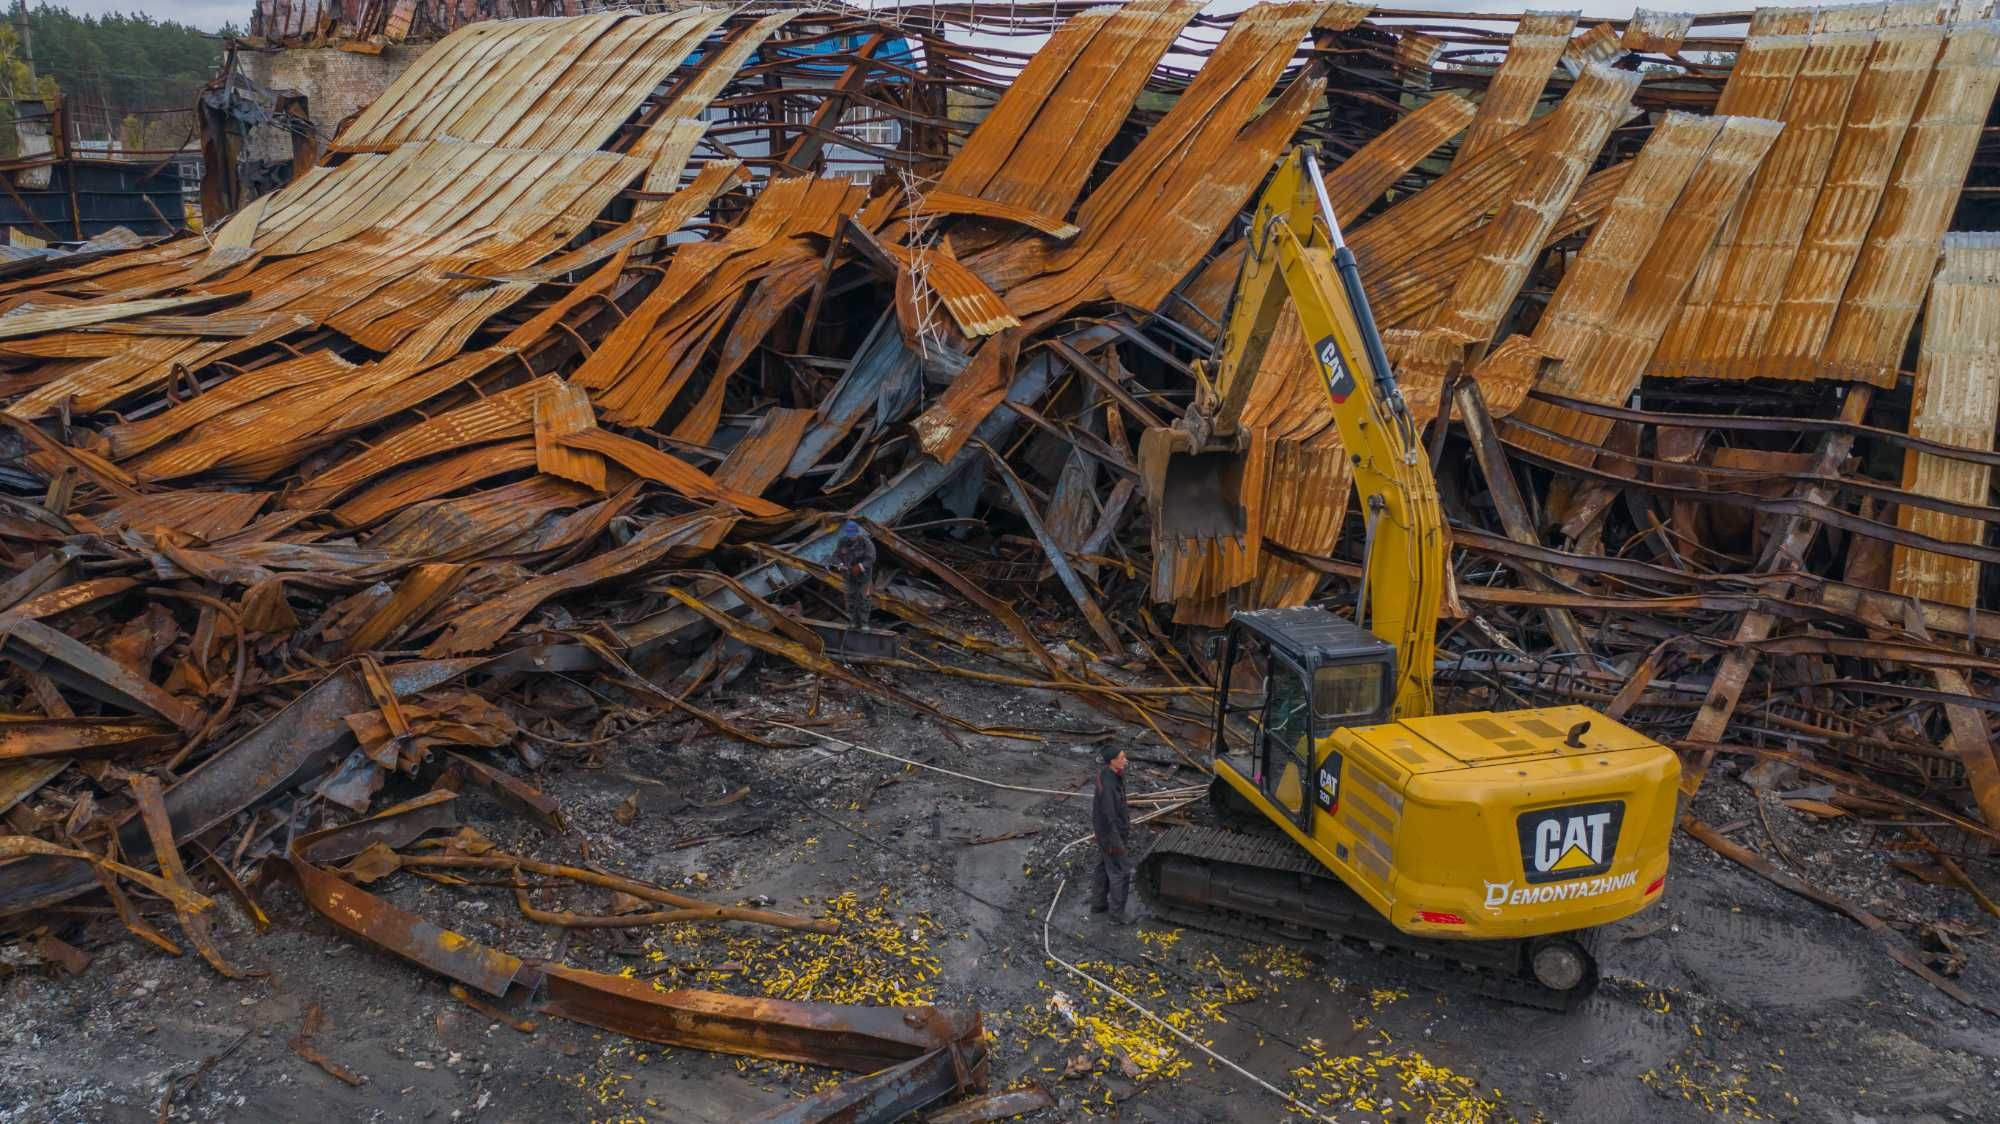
x=854, y=561
x=1111, y=823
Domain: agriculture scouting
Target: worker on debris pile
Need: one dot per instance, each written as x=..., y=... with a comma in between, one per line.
x=1111, y=823
x=854, y=559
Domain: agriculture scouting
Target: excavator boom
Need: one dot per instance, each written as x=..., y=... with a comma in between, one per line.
x=1298, y=265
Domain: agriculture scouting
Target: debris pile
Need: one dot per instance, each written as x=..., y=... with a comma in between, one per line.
x=525, y=416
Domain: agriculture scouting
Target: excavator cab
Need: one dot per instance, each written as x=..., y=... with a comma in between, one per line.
x=1316, y=673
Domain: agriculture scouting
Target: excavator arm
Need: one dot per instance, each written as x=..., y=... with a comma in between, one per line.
x=1298, y=264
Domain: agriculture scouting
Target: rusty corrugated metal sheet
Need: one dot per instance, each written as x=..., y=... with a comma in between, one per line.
x=398, y=491
x=1597, y=43
x=1416, y=53
x=1538, y=43
x=1887, y=285
x=1878, y=118
x=511, y=519
x=1077, y=87
x=1471, y=190
x=1956, y=401
x=132, y=438
x=1513, y=238
x=30, y=321
x=1164, y=205
x=281, y=418
x=760, y=457
x=1362, y=178
x=563, y=413
x=565, y=83
x=663, y=468
x=1759, y=83
x=1406, y=293
x=1722, y=333
x=510, y=413
x=1605, y=364
x=205, y=515
x=1594, y=284
x=636, y=375
x=1659, y=33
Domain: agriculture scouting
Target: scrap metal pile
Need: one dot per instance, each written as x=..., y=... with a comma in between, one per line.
x=525, y=415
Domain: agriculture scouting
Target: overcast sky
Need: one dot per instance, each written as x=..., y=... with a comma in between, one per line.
x=212, y=14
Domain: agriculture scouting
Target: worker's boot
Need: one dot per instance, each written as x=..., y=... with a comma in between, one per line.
x=1100, y=906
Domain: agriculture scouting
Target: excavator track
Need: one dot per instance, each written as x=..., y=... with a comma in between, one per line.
x=1263, y=888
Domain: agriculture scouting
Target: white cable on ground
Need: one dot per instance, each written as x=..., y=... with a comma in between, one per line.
x=948, y=772
x=1163, y=1024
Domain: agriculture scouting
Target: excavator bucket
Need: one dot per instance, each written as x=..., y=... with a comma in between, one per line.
x=1192, y=492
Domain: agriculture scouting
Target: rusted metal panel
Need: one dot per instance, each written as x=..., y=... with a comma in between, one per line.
x=1605, y=364
x=1956, y=401
x=664, y=468
x=1125, y=252
x=1513, y=238
x=35, y=322
x=976, y=309
x=1361, y=179
x=511, y=413
x=1878, y=118
x=1079, y=87
x=207, y=515
x=432, y=479
x=1456, y=202
x=1598, y=43
x=511, y=519
x=756, y=461
x=1594, y=284
x=1538, y=43
x=1659, y=33
x=562, y=413
x=1759, y=84
x=39, y=648
x=638, y=372
x=1417, y=53
x=1724, y=330
x=1408, y=291
x=1886, y=287
x=26, y=739
x=535, y=83
x=480, y=627
x=857, y=1038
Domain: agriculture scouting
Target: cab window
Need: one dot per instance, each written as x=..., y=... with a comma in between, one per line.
x=1287, y=736
x=1346, y=692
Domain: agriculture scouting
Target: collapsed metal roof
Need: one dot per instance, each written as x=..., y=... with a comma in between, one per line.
x=561, y=356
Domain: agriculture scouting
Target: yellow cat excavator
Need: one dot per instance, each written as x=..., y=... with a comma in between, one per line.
x=1488, y=846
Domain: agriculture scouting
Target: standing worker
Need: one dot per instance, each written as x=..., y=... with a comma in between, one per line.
x=1111, y=823
x=854, y=560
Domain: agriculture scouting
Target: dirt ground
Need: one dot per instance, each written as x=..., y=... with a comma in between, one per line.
x=1730, y=998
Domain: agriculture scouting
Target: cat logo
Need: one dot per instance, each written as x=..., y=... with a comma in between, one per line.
x=1327, y=792
x=1339, y=383
x=1574, y=842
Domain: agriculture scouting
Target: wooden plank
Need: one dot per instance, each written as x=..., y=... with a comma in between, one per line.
x=1512, y=509
x=1786, y=555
